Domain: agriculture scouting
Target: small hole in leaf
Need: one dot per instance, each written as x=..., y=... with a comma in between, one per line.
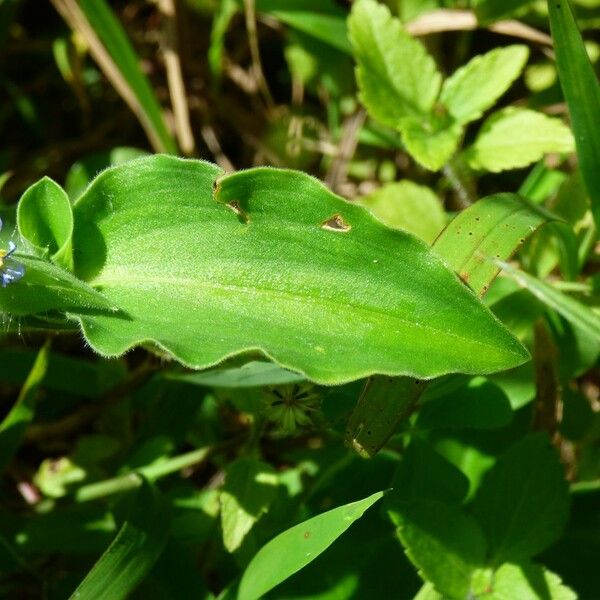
x=235, y=207
x=336, y=223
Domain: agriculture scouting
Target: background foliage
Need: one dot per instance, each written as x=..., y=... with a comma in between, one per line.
x=371, y=371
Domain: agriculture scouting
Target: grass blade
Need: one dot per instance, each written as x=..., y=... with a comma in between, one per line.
x=582, y=93
x=110, y=47
x=132, y=553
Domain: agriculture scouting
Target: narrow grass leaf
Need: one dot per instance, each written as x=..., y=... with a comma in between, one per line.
x=133, y=552
x=582, y=93
x=296, y=547
x=108, y=29
x=490, y=229
x=321, y=19
x=21, y=414
x=575, y=312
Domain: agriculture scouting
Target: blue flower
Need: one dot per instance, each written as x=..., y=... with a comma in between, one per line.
x=10, y=271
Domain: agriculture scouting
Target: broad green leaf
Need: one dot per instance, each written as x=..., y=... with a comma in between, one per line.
x=478, y=405
x=431, y=143
x=46, y=287
x=523, y=581
x=396, y=76
x=475, y=87
x=446, y=545
x=253, y=374
x=492, y=228
x=136, y=548
x=408, y=206
x=578, y=314
x=21, y=414
x=293, y=549
x=516, y=137
x=582, y=93
x=382, y=405
x=321, y=19
x=250, y=488
x=146, y=107
x=278, y=264
x=45, y=221
x=424, y=474
x=523, y=502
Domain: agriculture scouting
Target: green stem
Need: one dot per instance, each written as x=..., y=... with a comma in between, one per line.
x=133, y=480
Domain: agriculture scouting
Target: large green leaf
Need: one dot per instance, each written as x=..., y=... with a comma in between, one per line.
x=582, y=93
x=132, y=553
x=475, y=87
x=491, y=229
x=279, y=264
x=396, y=76
x=516, y=137
x=523, y=501
x=296, y=547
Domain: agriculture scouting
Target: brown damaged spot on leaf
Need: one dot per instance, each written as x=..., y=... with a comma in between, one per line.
x=465, y=276
x=235, y=207
x=336, y=223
